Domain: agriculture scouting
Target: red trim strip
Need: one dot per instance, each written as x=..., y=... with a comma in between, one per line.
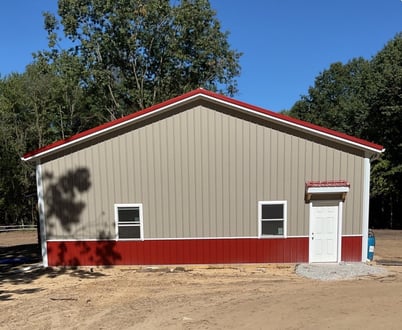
x=170, y=252
x=319, y=184
x=218, y=97
x=352, y=248
x=200, y=251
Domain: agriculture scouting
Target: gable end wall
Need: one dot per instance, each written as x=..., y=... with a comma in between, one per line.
x=198, y=173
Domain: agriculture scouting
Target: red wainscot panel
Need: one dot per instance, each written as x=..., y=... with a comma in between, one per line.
x=352, y=248
x=186, y=251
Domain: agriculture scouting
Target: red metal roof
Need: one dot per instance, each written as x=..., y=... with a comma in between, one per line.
x=205, y=94
x=321, y=184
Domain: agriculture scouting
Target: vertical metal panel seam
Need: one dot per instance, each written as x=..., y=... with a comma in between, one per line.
x=179, y=173
x=214, y=213
x=93, y=196
x=225, y=173
x=203, y=183
x=178, y=182
x=188, y=162
x=211, y=148
x=163, y=164
x=170, y=154
x=189, y=172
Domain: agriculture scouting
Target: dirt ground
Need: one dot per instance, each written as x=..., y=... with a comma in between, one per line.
x=192, y=297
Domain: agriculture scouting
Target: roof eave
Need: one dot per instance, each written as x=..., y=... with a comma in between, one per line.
x=109, y=127
x=299, y=125
x=303, y=126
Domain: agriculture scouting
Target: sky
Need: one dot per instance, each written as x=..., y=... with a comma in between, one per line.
x=285, y=43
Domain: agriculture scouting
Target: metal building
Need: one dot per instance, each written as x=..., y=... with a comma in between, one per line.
x=203, y=178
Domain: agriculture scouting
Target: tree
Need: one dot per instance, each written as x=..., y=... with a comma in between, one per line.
x=121, y=56
x=37, y=107
x=16, y=183
x=136, y=53
x=339, y=98
x=364, y=99
x=385, y=117
x=71, y=109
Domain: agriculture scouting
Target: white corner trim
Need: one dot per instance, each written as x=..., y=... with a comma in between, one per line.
x=327, y=190
x=340, y=215
x=41, y=211
x=310, y=218
x=366, y=205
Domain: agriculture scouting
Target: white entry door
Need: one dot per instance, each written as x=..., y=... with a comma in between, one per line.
x=324, y=218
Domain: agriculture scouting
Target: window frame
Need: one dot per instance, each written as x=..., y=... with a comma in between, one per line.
x=260, y=220
x=129, y=224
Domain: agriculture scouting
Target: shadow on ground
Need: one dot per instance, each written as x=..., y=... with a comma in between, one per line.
x=21, y=264
x=390, y=262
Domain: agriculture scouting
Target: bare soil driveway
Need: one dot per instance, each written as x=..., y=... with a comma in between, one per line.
x=261, y=296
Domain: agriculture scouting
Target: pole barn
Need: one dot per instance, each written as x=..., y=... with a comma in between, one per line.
x=204, y=179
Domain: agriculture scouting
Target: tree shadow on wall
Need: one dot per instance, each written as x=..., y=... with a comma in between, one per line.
x=64, y=203
x=62, y=197
x=101, y=252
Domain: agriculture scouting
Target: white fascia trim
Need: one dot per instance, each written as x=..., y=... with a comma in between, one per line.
x=340, y=211
x=111, y=128
x=366, y=206
x=327, y=190
x=300, y=127
x=41, y=211
x=310, y=218
x=214, y=100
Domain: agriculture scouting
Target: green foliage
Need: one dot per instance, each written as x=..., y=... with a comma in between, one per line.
x=16, y=180
x=339, y=98
x=106, y=58
x=386, y=118
x=386, y=102
x=364, y=98
x=136, y=53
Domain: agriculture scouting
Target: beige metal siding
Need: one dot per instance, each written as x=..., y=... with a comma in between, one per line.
x=198, y=173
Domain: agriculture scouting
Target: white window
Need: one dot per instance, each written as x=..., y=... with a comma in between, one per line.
x=128, y=219
x=272, y=219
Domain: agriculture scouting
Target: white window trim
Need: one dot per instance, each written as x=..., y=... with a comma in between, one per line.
x=116, y=220
x=327, y=190
x=285, y=218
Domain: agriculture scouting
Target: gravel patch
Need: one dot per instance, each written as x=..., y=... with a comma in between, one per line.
x=339, y=272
